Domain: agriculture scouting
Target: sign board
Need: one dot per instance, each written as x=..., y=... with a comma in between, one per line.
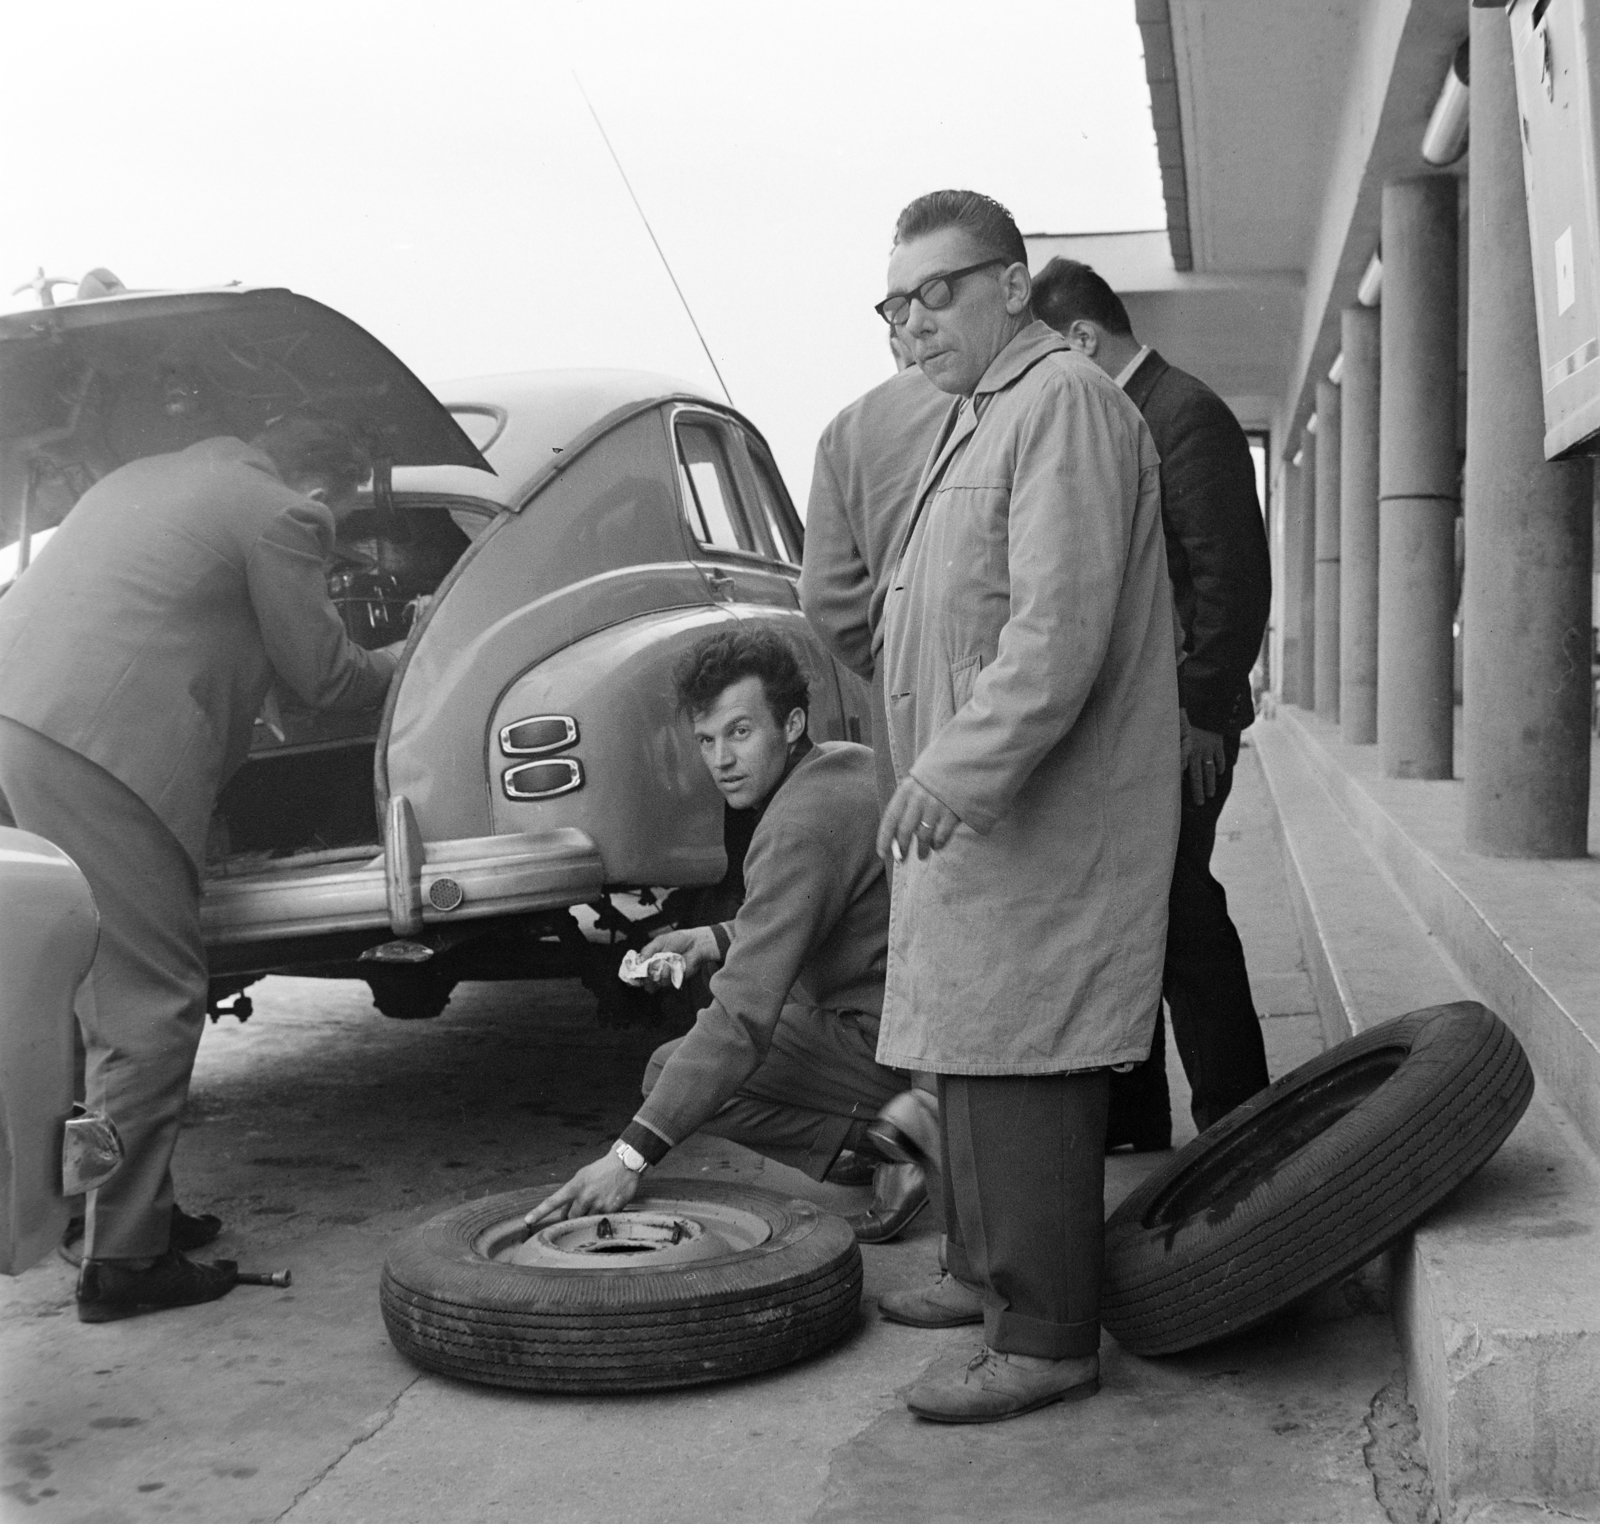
x=1557, y=90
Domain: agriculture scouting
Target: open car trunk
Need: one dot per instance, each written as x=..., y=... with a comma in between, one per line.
x=306, y=795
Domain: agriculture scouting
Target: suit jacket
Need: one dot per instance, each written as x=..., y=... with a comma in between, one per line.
x=1216, y=540
x=868, y=462
x=148, y=631
x=1029, y=666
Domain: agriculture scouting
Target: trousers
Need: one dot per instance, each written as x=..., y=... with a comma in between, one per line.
x=811, y=1096
x=1207, y=988
x=142, y=1022
x=1024, y=1204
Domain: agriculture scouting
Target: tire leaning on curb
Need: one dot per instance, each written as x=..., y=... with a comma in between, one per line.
x=621, y=1328
x=1312, y=1177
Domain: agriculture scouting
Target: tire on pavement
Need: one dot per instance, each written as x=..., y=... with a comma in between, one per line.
x=1311, y=1178
x=671, y=1292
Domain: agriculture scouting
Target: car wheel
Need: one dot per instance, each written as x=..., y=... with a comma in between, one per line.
x=410, y=994
x=696, y=1281
x=1311, y=1178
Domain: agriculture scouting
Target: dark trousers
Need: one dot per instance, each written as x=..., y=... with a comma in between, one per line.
x=146, y=1003
x=1024, y=1205
x=1207, y=989
x=814, y=1092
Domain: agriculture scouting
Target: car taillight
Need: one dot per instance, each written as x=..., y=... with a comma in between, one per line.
x=538, y=735
x=543, y=780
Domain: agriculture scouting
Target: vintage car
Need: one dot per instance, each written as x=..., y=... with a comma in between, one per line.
x=548, y=543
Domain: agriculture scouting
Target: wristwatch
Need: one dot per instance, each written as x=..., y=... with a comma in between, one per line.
x=631, y=1158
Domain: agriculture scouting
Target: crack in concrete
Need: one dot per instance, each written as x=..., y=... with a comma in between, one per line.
x=373, y=1426
x=1394, y=1457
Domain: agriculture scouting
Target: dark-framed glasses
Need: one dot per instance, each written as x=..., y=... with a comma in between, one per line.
x=935, y=292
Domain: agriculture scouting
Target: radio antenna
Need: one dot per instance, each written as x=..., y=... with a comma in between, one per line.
x=605, y=138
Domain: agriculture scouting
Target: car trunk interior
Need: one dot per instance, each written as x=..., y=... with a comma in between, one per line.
x=306, y=792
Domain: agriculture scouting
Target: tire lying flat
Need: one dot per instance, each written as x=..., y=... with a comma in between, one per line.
x=615, y=1326
x=1311, y=1178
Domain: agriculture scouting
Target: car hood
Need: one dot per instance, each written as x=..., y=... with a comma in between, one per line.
x=105, y=381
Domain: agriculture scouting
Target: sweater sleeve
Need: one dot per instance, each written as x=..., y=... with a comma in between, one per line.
x=795, y=894
x=303, y=634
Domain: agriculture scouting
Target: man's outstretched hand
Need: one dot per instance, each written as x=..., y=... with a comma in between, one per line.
x=697, y=947
x=607, y=1185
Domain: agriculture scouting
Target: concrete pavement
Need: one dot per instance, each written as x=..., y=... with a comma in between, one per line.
x=320, y=1129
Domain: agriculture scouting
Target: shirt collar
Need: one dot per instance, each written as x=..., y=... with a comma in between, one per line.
x=1126, y=374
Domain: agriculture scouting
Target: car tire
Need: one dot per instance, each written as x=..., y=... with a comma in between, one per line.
x=1311, y=1178
x=410, y=994
x=618, y=1326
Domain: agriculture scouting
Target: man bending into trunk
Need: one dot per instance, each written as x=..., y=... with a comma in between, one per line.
x=783, y=1059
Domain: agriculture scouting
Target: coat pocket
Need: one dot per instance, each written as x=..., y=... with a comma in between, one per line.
x=963, y=674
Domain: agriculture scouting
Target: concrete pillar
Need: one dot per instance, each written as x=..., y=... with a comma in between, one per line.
x=1326, y=652
x=1418, y=479
x=1305, y=573
x=1358, y=528
x=1529, y=522
x=1287, y=575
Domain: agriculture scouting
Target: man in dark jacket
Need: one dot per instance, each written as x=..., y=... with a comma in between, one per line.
x=784, y=1058
x=135, y=654
x=1222, y=587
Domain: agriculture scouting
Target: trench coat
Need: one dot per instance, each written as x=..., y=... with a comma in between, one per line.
x=1032, y=688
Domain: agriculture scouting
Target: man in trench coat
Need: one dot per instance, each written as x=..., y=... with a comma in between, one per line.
x=1033, y=717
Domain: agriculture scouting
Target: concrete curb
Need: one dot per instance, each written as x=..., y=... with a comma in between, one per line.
x=1496, y=1296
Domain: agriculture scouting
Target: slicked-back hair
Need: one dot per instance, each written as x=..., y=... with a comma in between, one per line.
x=990, y=225
x=719, y=661
x=1067, y=290
x=304, y=444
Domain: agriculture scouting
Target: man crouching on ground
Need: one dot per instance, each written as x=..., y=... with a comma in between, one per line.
x=783, y=1060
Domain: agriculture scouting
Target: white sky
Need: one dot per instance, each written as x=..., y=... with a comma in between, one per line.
x=431, y=171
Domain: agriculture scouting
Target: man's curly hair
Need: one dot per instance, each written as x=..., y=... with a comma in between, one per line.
x=721, y=660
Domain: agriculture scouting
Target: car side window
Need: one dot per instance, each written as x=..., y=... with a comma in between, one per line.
x=778, y=511
x=712, y=497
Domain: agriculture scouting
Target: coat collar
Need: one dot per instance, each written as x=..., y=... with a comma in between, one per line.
x=1025, y=351
x=1143, y=381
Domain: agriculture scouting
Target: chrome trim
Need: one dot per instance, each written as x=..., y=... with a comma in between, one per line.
x=508, y=750
x=574, y=779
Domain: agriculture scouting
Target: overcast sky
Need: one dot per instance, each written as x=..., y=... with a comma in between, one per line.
x=431, y=170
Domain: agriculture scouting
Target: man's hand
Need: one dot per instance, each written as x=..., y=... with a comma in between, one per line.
x=697, y=946
x=914, y=815
x=607, y=1185
x=1207, y=762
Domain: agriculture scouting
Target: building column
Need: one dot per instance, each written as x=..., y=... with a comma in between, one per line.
x=1288, y=577
x=1418, y=479
x=1327, y=564
x=1304, y=572
x=1528, y=521
x=1358, y=528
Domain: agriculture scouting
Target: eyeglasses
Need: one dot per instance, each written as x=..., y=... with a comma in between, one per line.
x=935, y=292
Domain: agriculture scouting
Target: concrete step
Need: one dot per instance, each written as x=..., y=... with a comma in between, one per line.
x=1496, y=1296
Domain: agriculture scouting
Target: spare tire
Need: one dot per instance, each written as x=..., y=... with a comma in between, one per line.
x=1311, y=1178
x=694, y=1282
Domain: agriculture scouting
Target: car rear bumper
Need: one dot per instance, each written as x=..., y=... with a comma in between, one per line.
x=478, y=876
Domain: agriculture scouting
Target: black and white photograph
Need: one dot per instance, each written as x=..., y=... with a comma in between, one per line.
x=773, y=764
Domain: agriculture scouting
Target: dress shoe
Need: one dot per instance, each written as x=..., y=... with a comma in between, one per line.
x=907, y=1129
x=187, y=1234
x=996, y=1385
x=899, y=1192
x=851, y=1168
x=948, y=1303
x=109, y=1289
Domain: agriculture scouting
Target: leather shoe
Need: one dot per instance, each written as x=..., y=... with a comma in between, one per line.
x=110, y=1289
x=851, y=1168
x=187, y=1234
x=899, y=1192
x=907, y=1129
x=948, y=1303
x=996, y=1385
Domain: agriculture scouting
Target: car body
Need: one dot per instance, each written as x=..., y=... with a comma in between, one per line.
x=572, y=534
